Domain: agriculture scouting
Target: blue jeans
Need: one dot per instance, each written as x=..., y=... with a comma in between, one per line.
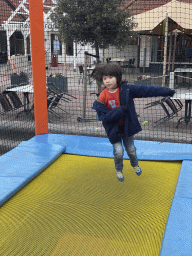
x=118, y=152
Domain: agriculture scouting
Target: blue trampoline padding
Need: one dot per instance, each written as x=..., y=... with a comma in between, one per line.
x=29, y=158
x=9, y=186
x=23, y=163
x=101, y=147
x=177, y=239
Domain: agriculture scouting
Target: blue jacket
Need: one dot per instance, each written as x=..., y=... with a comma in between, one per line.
x=131, y=125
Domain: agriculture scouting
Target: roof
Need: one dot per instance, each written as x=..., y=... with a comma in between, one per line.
x=22, y=11
x=140, y=6
x=148, y=14
x=179, y=17
x=136, y=7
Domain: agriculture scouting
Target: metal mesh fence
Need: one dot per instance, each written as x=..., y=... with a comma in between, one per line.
x=159, y=53
x=17, y=124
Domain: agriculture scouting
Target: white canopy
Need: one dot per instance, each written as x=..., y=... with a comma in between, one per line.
x=179, y=17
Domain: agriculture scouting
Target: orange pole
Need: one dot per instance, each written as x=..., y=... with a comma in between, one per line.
x=38, y=66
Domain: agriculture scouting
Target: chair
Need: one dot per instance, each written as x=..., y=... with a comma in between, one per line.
x=53, y=102
x=15, y=99
x=54, y=96
x=133, y=61
x=5, y=103
x=187, y=118
x=131, y=64
x=171, y=108
x=125, y=65
x=108, y=60
x=81, y=71
x=175, y=104
x=53, y=89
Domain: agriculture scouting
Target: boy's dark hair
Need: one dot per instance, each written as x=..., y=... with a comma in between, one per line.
x=107, y=69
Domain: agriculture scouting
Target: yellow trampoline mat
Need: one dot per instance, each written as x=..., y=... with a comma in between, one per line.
x=77, y=206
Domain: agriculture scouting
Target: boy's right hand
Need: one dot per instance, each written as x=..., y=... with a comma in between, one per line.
x=125, y=109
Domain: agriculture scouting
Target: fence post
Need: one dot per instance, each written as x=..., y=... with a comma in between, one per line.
x=165, y=51
x=85, y=86
x=171, y=80
x=38, y=66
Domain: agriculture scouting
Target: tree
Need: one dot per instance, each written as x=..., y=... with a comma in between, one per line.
x=100, y=23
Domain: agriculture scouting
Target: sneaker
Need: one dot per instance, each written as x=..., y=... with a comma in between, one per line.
x=137, y=170
x=120, y=176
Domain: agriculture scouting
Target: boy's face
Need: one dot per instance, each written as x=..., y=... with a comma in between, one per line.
x=110, y=82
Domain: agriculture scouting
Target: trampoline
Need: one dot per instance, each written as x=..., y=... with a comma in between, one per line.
x=60, y=196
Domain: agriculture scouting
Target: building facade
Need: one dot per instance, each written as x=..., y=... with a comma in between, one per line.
x=147, y=48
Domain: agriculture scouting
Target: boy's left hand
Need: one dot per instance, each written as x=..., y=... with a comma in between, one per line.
x=171, y=93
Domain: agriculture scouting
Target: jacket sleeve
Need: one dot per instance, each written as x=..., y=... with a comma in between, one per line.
x=107, y=115
x=148, y=91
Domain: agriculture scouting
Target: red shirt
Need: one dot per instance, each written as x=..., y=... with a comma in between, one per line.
x=111, y=100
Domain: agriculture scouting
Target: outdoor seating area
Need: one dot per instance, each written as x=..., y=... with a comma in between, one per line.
x=18, y=96
x=128, y=66
x=10, y=100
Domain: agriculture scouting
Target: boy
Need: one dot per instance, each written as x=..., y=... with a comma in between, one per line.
x=115, y=108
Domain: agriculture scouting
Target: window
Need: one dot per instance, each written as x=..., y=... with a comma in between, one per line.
x=17, y=43
x=3, y=47
x=56, y=45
